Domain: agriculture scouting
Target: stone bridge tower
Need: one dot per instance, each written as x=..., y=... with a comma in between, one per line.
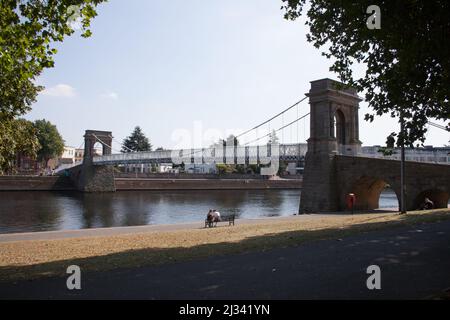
x=95, y=178
x=334, y=130
x=91, y=137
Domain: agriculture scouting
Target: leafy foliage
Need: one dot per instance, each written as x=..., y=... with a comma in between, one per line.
x=28, y=31
x=50, y=140
x=282, y=167
x=239, y=168
x=137, y=141
x=223, y=168
x=407, y=60
x=16, y=135
x=232, y=140
x=254, y=169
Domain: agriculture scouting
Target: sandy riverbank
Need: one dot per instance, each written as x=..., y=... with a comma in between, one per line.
x=28, y=259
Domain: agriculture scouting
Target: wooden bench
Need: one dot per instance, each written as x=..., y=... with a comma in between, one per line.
x=225, y=218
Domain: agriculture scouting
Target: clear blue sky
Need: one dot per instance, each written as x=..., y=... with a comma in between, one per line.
x=188, y=69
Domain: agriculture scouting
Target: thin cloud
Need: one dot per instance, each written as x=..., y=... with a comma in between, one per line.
x=60, y=90
x=110, y=95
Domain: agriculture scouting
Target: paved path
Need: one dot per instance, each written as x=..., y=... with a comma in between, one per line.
x=414, y=262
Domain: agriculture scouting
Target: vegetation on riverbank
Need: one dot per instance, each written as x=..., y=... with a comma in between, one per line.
x=44, y=258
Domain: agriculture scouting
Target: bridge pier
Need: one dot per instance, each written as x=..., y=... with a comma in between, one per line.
x=367, y=178
x=94, y=178
x=333, y=130
x=333, y=169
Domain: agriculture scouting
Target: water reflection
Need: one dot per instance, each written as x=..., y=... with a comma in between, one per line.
x=29, y=211
x=388, y=199
x=40, y=211
x=97, y=210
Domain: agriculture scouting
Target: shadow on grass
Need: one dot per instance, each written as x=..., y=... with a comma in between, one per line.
x=158, y=256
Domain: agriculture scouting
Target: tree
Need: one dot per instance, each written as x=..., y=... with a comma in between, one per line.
x=137, y=141
x=239, y=168
x=254, y=169
x=28, y=31
x=16, y=136
x=50, y=140
x=231, y=140
x=390, y=145
x=223, y=168
x=217, y=144
x=282, y=168
x=406, y=60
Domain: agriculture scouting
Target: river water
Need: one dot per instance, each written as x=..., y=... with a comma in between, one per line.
x=45, y=211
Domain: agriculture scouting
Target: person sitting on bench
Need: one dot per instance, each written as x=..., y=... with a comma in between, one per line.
x=427, y=204
x=209, y=217
x=216, y=215
x=213, y=216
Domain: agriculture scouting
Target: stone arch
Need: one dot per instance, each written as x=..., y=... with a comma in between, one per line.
x=96, y=147
x=92, y=137
x=439, y=197
x=368, y=189
x=339, y=128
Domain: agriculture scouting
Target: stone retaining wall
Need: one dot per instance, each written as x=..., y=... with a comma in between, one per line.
x=139, y=175
x=35, y=183
x=206, y=184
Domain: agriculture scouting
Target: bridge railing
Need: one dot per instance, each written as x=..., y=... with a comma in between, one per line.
x=439, y=157
x=206, y=155
x=253, y=154
x=67, y=166
x=136, y=156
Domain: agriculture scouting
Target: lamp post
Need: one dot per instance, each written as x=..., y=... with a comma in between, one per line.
x=402, y=164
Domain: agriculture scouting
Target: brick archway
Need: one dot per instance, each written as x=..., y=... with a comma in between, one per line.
x=365, y=177
x=438, y=196
x=340, y=131
x=333, y=168
x=368, y=189
x=91, y=137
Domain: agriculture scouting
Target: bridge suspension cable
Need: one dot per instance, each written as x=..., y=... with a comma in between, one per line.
x=438, y=126
x=243, y=133
x=268, y=122
x=123, y=146
x=104, y=144
x=285, y=126
x=276, y=116
x=81, y=145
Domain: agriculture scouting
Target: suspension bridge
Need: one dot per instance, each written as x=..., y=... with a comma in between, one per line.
x=234, y=153
x=334, y=162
